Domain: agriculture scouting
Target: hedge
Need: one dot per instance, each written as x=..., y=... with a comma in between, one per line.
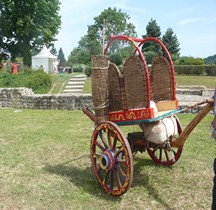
x=209, y=70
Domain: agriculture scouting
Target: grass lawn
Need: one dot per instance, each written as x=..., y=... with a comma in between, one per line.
x=45, y=164
x=208, y=81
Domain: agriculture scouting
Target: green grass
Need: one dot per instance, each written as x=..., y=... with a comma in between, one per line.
x=208, y=81
x=59, y=81
x=88, y=85
x=45, y=164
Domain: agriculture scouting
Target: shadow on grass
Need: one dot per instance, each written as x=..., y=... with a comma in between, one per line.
x=143, y=179
x=84, y=178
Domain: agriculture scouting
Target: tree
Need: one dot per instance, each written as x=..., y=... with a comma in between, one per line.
x=188, y=60
x=79, y=56
x=110, y=21
x=151, y=49
x=61, y=57
x=172, y=44
x=53, y=51
x=28, y=24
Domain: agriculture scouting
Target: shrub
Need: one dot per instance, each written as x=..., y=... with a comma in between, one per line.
x=88, y=71
x=190, y=69
x=210, y=70
x=37, y=80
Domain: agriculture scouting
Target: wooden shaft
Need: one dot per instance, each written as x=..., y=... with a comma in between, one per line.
x=178, y=142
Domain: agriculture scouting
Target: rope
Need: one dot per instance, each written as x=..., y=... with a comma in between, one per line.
x=102, y=106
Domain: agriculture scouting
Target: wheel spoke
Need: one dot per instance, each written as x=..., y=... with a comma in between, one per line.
x=109, y=135
x=111, y=158
x=121, y=170
x=166, y=153
x=118, y=178
x=103, y=139
x=96, y=155
x=170, y=156
x=105, y=178
x=111, y=180
x=100, y=146
x=160, y=153
x=114, y=141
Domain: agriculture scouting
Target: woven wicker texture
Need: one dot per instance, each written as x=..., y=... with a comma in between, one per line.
x=115, y=102
x=100, y=88
x=135, y=83
x=161, y=80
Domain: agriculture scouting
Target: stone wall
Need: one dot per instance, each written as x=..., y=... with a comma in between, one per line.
x=24, y=98
x=20, y=98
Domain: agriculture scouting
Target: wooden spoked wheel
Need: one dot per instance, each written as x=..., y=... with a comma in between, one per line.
x=111, y=158
x=164, y=154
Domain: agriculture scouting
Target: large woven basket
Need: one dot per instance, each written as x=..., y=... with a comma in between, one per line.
x=100, y=95
x=161, y=80
x=135, y=83
x=115, y=94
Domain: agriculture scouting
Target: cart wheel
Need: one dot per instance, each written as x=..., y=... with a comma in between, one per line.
x=165, y=155
x=111, y=158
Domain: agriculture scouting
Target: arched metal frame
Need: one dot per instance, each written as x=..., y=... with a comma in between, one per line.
x=140, y=42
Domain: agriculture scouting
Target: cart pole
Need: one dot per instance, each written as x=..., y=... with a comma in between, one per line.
x=178, y=142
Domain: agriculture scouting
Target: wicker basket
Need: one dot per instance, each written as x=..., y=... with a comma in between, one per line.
x=115, y=102
x=135, y=83
x=100, y=95
x=161, y=80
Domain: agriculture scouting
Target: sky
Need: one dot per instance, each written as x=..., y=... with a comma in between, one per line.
x=193, y=21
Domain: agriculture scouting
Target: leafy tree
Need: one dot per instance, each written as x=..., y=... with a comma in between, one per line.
x=211, y=59
x=188, y=60
x=61, y=57
x=53, y=51
x=110, y=21
x=29, y=24
x=79, y=56
x=172, y=44
x=151, y=49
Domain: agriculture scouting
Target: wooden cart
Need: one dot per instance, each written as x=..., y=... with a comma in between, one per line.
x=135, y=95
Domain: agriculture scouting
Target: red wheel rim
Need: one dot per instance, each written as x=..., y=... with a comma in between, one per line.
x=111, y=159
x=164, y=156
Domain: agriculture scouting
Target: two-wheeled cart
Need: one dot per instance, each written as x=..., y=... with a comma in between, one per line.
x=135, y=95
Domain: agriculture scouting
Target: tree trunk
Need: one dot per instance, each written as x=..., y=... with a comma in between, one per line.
x=26, y=53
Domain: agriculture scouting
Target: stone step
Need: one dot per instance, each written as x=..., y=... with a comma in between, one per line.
x=77, y=79
x=75, y=83
x=74, y=87
x=72, y=91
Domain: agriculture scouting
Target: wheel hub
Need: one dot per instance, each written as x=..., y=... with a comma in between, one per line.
x=107, y=160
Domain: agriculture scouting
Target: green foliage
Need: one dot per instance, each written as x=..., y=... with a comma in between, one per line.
x=78, y=68
x=210, y=59
x=116, y=59
x=88, y=71
x=112, y=21
x=210, y=70
x=61, y=58
x=115, y=22
x=37, y=80
x=79, y=56
x=190, y=69
x=151, y=49
x=26, y=25
x=171, y=42
x=188, y=60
